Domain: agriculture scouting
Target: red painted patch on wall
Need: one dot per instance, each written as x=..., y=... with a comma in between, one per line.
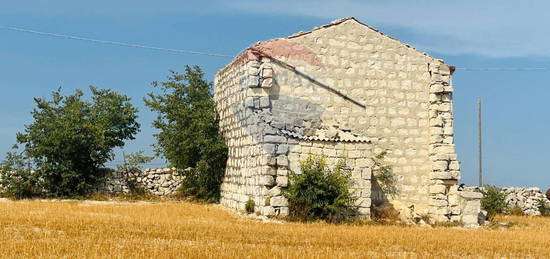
x=279, y=48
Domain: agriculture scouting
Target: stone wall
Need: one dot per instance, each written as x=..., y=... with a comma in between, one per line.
x=247, y=174
x=160, y=181
x=312, y=92
x=389, y=78
x=407, y=97
x=527, y=199
x=264, y=146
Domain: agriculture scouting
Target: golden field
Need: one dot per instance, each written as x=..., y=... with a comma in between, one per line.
x=84, y=229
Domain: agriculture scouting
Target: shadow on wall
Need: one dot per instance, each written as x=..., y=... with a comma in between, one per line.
x=284, y=112
x=379, y=198
x=292, y=113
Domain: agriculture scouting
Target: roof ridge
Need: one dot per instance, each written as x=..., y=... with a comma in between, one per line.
x=345, y=19
x=332, y=23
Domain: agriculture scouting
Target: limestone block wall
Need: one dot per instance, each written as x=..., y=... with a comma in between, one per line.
x=407, y=100
x=390, y=78
x=527, y=199
x=247, y=174
x=265, y=144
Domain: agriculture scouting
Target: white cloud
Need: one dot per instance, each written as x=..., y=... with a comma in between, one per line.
x=495, y=28
x=489, y=28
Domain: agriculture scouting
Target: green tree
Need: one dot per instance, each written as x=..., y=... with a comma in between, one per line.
x=189, y=132
x=71, y=139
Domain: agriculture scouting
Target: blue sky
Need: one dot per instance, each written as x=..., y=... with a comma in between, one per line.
x=467, y=34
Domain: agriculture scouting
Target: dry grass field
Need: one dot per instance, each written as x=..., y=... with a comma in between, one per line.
x=75, y=229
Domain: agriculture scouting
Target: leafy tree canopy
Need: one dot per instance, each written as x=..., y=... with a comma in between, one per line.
x=189, y=131
x=71, y=138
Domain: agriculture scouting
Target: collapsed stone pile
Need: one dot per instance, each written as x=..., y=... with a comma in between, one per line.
x=160, y=181
x=527, y=199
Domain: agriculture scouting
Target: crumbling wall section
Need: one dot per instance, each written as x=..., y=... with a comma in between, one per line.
x=239, y=98
x=445, y=169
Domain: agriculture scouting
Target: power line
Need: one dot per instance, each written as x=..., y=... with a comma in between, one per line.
x=117, y=43
x=179, y=51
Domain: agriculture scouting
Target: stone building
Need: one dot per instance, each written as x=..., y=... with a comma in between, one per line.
x=345, y=91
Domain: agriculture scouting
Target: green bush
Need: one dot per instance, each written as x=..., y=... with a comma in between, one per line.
x=318, y=193
x=249, y=206
x=70, y=140
x=189, y=132
x=493, y=201
x=16, y=179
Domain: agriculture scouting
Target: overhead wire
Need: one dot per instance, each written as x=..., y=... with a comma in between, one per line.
x=192, y=52
x=117, y=43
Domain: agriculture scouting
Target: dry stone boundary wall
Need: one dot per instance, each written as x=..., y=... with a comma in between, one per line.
x=527, y=199
x=160, y=181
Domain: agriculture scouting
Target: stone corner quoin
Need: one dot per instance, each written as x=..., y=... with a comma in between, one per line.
x=342, y=90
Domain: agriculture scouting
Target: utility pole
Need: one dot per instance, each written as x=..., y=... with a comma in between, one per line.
x=480, y=151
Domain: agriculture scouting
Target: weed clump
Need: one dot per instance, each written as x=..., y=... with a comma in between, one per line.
x=493, y=201
x=249, y=206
